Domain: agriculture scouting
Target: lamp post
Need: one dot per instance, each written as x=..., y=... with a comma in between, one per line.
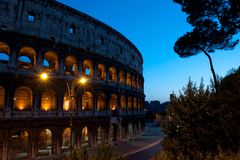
x=71, y=90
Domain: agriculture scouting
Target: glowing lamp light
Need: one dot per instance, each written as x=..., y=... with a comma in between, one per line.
x=82, y=80
x=44, y=76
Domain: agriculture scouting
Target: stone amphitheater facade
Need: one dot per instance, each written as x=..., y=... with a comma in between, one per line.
x=38, y=118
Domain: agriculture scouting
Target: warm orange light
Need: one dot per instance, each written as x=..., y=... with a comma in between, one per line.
x=83, y=80
x=44, y=76
x=66, y=105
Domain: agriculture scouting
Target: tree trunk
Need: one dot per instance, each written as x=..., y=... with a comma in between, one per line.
x=213, y=72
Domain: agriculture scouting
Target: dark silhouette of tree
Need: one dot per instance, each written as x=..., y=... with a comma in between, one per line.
x=215, y=23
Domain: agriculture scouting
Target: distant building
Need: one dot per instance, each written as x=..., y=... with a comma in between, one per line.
x=155, y=107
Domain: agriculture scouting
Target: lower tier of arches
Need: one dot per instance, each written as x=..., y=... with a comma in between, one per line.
x=20, y=139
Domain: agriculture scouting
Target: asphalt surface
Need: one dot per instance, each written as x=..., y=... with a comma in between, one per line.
x=145, y=154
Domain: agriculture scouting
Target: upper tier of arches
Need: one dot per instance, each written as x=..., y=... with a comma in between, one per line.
x=64, y=25
x=69, y=64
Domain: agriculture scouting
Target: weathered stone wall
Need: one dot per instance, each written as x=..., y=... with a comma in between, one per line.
x=54, y=21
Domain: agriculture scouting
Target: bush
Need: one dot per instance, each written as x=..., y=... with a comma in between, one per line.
x=103, y=152
x=200, y=124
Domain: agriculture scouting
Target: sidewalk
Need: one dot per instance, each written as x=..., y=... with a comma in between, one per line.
x=149, y=138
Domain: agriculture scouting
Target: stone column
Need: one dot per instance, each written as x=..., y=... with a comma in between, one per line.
x=90, y=137
x=13, y=58
x=61, y=64
x=33, y=144
x=10, y=99
x=107, y=103
x=107, y=72
x=60, y=99
x=95, y=99
x=56, y=143
x=126, y=104
x=80, y=66
x=37, y=102
x=4, y=145
x=95, y=67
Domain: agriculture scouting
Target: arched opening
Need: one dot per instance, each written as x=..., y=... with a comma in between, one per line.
x=101, y=104
x=87, y=101
x=133, y=81
x=4, y=53
x=48, y=100
x=2, y=98
x=70, y=65
x=130, y=107
x=84, y=137
x=88, y=68
x=27, y=58
x=139, y=104
x=100, y=136
x=122, y=78
x=23, y=99
x=135, y=103
x=123, y=103
x=66, y=136
x=19, y=145
x=113, y=102
x=45, y=143
x=129, y=80
x=113, y=75
x=50, y=62
x=68, y=103
x=101, y=72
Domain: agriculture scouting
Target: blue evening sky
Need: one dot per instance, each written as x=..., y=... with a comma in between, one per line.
x=154, y=26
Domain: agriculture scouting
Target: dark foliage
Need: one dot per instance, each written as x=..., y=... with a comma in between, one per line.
x=200, y=123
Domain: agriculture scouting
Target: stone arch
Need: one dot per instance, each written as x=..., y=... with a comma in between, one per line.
x=122, y=77
x=23, y=98
x=101, y=72
x=129, y=80
x=2, y=98
x=45, y=143
x=66, y=138
x=4, y=53
x=50, y=62
x=123, y=103
x=87, y=101
x=135, y=107
x=19, y=144
x=85, y=138
x=26, y=58
x=139, y=104
x=68, y=103
x=113, y=102
x=134, y=82
x=130, y=104
x=101, y=103
x=88, y=68
x=70, y=67
x=113, y=74
x=48, y=100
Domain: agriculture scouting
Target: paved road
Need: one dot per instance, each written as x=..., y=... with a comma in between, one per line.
x=145, y=154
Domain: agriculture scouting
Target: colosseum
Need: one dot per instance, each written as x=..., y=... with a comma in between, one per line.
x=44, y=117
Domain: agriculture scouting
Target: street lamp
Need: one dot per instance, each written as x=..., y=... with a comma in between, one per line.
x=82, y=81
